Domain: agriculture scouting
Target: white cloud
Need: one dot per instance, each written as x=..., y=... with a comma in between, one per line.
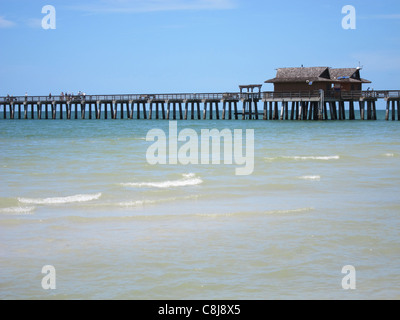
x=4, y=23
x=134, y=6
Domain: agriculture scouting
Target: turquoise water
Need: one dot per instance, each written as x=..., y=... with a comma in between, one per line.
x=79, y=195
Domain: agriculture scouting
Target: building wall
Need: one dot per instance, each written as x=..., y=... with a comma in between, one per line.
x=350, y=87
x=301, y=86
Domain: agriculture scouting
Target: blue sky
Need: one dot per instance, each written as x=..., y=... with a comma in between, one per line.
x=160, y=46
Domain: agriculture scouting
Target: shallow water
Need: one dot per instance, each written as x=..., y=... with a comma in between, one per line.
x=80, y=195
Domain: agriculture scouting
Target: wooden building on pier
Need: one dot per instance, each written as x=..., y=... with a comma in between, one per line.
x=317, y=78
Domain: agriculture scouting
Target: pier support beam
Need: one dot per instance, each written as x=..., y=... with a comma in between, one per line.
x=137, y=110
x=305, y=110
x=150, y=110
x=69, y=107
x=12, y=110
x=130, y=109
x=83, y=109
x=351, y=110
x=205, y=110
x=275, y=115
x=53, y=110
x=98, y=110
x=39, y=110
x=157, y=110
x=393, y=110
x=106, y=110
x=180, y=111
x=163, y=110
x=311, y=111
x=168, y=109
x=398, y=110
x=216, y=109
x=387, y=110
x=173, y=111
x=270, y=110
x=292, y=110
x=192, y=110
x=341, y=110
x=235, y=109
x=286, y=110
x=332, y=107
x=325, y=110
x=374, y=110
x=186, y=110
x=370, y=110
x=144, y=110
x=300, y=111
x=265, y=114
x=223, y=109
x=250, y=110
x=362, y=109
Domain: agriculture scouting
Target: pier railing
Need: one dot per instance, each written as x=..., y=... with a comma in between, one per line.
x=128, y=97
x=339, y=95
x=291, y=95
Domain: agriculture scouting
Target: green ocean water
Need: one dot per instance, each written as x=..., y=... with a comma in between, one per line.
x=80, y=195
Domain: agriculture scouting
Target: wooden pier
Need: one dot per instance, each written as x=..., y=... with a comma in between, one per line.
x=303, y=105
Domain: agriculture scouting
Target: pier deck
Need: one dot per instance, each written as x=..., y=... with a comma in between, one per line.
x=307, y=105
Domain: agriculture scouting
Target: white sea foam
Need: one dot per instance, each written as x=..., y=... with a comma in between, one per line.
x=189, y=179
x=293, y=210
x=389, y=154
x=17, y=210
x=314, y=178
x=245, y=213
x=137, y=203
x=141, y=203
x=62, y=200
x=314, y=158
x=298, y=158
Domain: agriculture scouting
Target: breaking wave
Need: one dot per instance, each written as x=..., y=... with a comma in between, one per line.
x=189, y=179
x=62, y=200
x=17, y=210
x=314, y=178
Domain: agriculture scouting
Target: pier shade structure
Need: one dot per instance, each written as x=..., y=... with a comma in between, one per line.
x=317, y=93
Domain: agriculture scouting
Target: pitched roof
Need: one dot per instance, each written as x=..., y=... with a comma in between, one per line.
x=314, y=74
x=301, y=74
x=344, y=73
x=347, y=75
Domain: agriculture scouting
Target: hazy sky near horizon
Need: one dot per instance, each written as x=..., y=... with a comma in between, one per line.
x=162, y=46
